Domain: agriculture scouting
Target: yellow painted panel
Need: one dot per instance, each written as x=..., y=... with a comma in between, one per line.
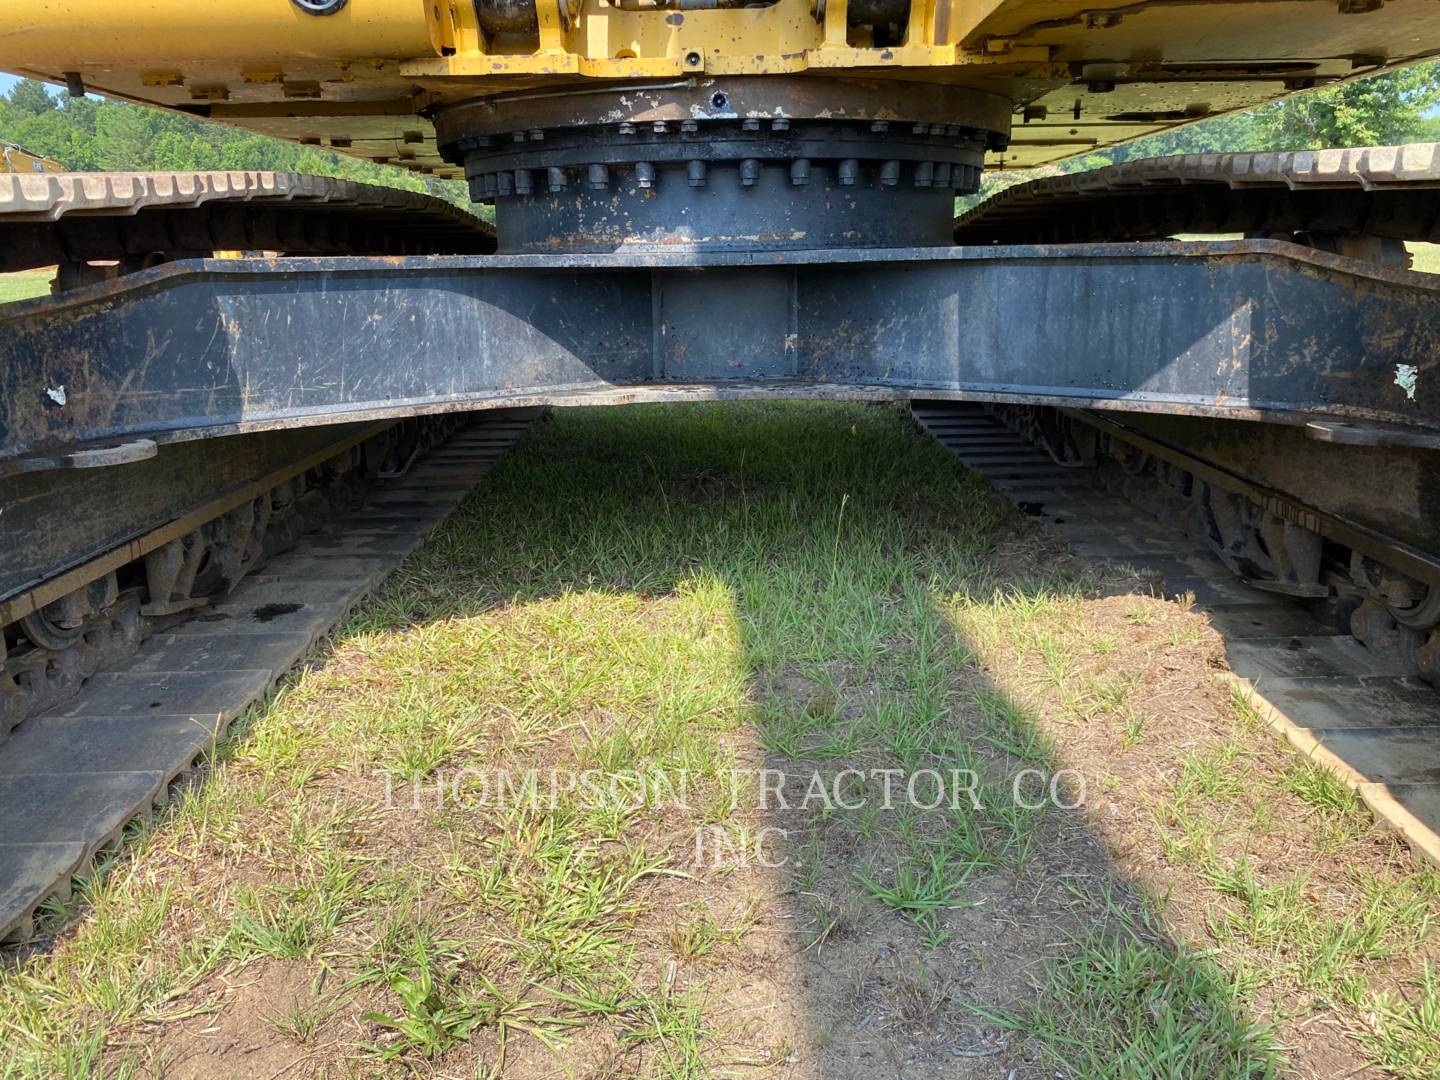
x=70, y=35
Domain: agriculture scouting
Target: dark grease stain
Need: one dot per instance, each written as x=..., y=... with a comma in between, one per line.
x=266, y=612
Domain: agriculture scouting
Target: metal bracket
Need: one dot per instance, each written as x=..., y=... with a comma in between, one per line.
x=98, y=458
x=1353, y=434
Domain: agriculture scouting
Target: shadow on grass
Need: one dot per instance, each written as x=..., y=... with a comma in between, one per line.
x=781, y=604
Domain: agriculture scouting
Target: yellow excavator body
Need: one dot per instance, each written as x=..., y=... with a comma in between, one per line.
x=365, y=76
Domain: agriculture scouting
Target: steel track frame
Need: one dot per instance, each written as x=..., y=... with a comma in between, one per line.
x=1253, y=330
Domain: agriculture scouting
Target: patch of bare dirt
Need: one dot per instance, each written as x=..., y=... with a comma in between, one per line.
x=235, y=1025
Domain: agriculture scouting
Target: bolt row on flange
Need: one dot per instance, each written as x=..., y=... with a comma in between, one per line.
x=993, y=140
x=598, y=176
x=877, y=153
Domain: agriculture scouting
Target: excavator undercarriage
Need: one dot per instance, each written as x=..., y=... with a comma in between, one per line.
x=693, y=200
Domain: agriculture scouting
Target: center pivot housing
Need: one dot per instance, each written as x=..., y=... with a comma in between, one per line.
x=725, y=164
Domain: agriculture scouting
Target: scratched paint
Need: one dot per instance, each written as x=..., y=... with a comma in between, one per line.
x=1406, y=376
x=57, y=395
x=1043, y=325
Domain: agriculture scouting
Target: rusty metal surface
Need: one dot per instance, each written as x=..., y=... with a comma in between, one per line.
x=75, y=774
x=1383, y=501
x=1388, y=191
x=47, y=218
x=1244, y=330
x=57, y=523
x=739, y=98
x=725, y=164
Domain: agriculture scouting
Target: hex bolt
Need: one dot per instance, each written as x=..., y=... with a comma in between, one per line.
x=800, y=172
x=524, y=182
x=645, y=174
x=507, y=183
x=879, y=127
x=536, y=135
x=780, y=124
x=696, y=172
x=518, y=136
x=924, y=174
x=689, y=127
x=599, y=177
x=627, y=128
x=557, y=178
x=847, y=172
x=890, y=174
x=660, y=127
x=942, y=174
x=920, y=129
x=952, y=131
x=750, y=125
x=749, y=172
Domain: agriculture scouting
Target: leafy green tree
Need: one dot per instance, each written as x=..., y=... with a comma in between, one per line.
x=126, y=137
x=1380, y=111
x=30, y=98
x=178, y=150
x=81, y=112
x=87, y=133
x=1377, y=111
x=53, y=135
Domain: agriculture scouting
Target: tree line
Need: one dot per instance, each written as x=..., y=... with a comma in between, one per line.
x=1385, y=110
x=88, y=134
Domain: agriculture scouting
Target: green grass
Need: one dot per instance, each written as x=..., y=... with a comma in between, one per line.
x=693, y=589
x=690, y=583
x=25, y=284
x=1125, y=1006
x=1404, y=1035
x=1426, y=257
